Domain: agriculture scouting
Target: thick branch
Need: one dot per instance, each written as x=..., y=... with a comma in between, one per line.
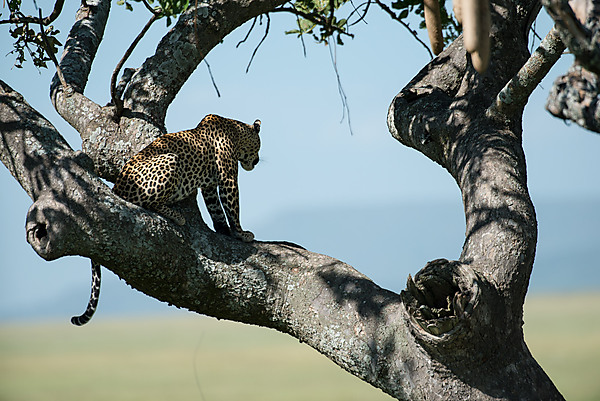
x=178, y=54
x=81, y=46
x=579, y=29
x=574, y=96
x=441, y=113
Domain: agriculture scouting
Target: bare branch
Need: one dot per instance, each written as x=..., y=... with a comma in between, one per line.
x=50, y=53
x=315, y=18
x=248, y=33
x=259, y=43
x=212, y=78
x=152, y=89
x=22, y=19
x=517, y=91
x=116, y=99
x=356, y=10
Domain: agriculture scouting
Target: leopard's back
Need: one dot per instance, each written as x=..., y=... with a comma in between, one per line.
x=168, y=170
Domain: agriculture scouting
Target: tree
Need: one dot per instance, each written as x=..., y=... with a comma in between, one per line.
x=454, y=333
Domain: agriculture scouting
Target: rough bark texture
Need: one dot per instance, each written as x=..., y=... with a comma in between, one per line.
x=454, y=334
x=574, y=96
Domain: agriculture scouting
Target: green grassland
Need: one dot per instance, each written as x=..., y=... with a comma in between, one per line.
x=195, y=358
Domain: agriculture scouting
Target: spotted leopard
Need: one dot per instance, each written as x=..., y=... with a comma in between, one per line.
x=175, y=165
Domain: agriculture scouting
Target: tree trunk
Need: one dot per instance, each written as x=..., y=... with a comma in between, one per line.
x=455, y=333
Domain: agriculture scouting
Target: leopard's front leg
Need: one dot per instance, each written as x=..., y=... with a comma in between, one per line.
x=211, y=200
x=229, y=194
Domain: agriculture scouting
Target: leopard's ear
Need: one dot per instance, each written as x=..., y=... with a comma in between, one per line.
x=257, y=126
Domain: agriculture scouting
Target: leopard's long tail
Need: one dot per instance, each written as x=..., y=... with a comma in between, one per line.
x=94, y=296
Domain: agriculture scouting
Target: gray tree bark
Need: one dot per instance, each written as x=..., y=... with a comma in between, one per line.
x=455, y=333
x=574, y=95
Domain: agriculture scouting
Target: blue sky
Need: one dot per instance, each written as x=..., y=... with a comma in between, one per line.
x=309, y=159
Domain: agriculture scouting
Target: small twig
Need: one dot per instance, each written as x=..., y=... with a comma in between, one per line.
x=535, y=35
x=58, y=6
x=48, y=50
x=153, y=10
x=247, y=34
x=312, y=17
x=357, y=9
x=197, y=43
x=301, y=37
x=329, y=25
x=113, y=79
x=212, y=78
x=404, y=24
x=343, y=97
x=260, y=43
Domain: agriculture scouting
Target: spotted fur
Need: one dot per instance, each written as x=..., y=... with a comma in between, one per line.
x=175, y=165
x=94, y=296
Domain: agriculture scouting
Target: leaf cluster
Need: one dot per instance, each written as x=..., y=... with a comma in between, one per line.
x=30, y=40
x=324, y=15
x=320, y=13
x=166, y=8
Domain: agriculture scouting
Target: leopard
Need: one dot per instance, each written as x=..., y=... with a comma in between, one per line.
x=175, y=165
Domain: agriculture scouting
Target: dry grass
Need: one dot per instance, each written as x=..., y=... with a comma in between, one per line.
x=191, y=358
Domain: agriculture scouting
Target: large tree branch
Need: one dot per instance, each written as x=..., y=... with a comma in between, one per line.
x=449, y=113
x=102, y=137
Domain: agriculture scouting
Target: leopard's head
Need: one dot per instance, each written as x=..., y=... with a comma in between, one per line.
x=249, y=145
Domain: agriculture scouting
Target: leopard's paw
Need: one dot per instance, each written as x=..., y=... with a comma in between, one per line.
x=244, y=236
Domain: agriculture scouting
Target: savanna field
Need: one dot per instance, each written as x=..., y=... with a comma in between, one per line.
x=196, y=358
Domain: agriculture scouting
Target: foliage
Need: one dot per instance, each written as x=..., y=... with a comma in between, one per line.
x=313, y=13
x=31, y=39
x=321, y=13
x=319, y=18
x=27, y=39
x=166, y=8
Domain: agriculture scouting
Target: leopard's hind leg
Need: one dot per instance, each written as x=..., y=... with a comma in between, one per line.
x=163, y=181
